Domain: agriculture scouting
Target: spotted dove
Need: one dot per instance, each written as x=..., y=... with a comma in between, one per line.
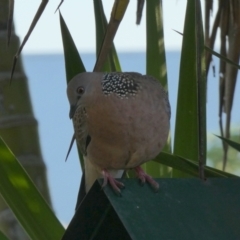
x=121, y=120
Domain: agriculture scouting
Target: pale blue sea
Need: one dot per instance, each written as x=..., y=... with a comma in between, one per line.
x=47, y=85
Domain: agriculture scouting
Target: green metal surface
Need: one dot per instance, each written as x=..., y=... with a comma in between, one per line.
x=182, y=209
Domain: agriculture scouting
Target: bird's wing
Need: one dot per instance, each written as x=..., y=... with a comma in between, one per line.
x=81, y=129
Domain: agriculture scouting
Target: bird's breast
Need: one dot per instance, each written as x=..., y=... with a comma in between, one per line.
x=129, y=130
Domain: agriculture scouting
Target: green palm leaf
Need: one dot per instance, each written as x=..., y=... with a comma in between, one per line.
x=24, y=199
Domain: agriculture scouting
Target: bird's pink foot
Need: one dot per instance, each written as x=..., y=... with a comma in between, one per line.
x=146, y=178
x=116, y=185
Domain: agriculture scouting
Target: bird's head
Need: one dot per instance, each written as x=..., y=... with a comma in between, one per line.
x=77, y=88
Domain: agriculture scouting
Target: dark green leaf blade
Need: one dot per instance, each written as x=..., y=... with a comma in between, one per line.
x=187, y=166
x=231, y=143
x=156, y=67
x=189, y=106
x=73, y=61
x=222, y=57
x=25, y=201
x=155, y=54
x=186, y=130
x=3, y=237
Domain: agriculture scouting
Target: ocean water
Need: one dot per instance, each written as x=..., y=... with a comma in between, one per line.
x=47, y=85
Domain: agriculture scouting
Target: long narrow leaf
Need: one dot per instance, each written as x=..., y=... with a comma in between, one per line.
x=73, y=61
x=155, y=55
x=217, y=54
x=222, y=57
x=112, y=63
x=73, y=64
x=186, y=128
x=201, y=89
x=187, y=166
x=25, y=201
x=117, y=14
x=233, y=144
x=156, y=66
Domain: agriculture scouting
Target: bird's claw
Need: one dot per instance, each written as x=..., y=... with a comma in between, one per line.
x=115, y=184
x=143, y=177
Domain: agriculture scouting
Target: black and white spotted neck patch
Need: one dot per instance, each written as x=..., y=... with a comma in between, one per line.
x=121, y=84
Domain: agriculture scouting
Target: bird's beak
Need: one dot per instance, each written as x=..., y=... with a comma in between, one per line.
x=72, y=110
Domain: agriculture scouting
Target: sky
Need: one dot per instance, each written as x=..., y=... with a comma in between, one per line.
x=46, y=39
x=46, y=36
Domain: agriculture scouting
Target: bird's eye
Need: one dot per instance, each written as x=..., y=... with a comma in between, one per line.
x=80, y=90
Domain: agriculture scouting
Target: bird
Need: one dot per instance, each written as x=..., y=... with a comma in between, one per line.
x=121, y=120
